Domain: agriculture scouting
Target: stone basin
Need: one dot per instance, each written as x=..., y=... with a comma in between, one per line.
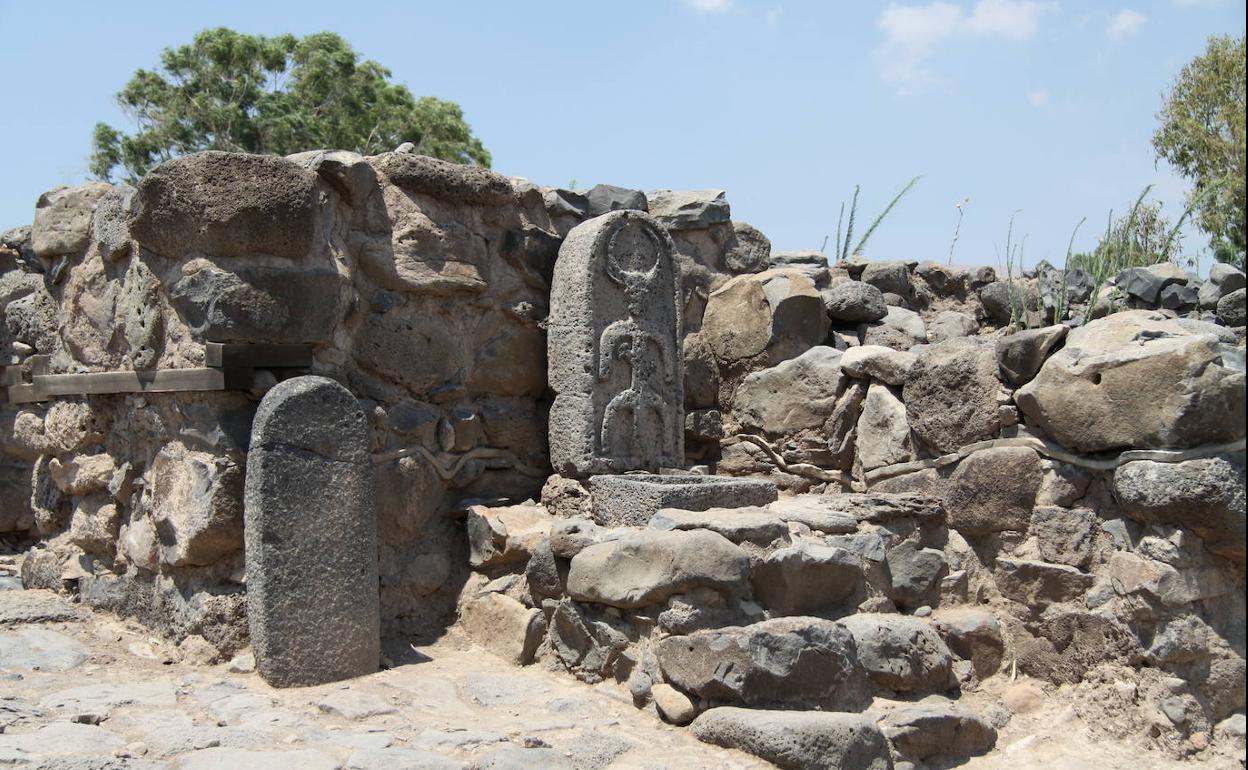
x=630, y=500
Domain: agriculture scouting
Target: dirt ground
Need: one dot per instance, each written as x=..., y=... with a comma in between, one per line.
x=92, y=692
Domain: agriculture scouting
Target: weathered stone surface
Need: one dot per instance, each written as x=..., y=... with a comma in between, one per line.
x=914, y=573
x=108, y=224
x=1023, y=353
x=673, y=705
x=1138, y=379
x=647, y=566
x=1176, y=297
x=776, y=314
x=399, y=759
x=798, y=394
x=40, y=649
x=891, y=277
x=689, y=209
x=225, y=204
x=854, y=302
x=993, y=490
x=504, y=626
x=951, y=394
x=197, y=506
x=882, y=508
x=950, y=324
x=819, y=512
x=472, y=185
x=996, y=298
x=311, y=536
x=1065, y=645
x=1223, y=279
x=974, y=635
x=1150, y=579
x=504, y=535
x=943, y=280
x=899, y=329
x=883, y=430
x=740, y=525
x=1038, y=583
x=938, y=729
x=220, y=758
x=633, y=499
x=900, y=652
x=1146, y=283
x=749, y=251
x=63, y=219
x=701, y=374
x=879, y=362
x=793, y=662
x=797, y=740
x=613, y=349
x=1231, y=308
x=1204, y=495
x=258, y=304
x=806, y=578
x=604, y=198
x=1065, y=535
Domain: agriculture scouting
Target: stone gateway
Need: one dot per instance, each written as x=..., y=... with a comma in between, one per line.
x=614, y=350
x=311, y=536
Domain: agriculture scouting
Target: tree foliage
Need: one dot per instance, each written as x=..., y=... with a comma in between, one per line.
x=1201, y=133
x=280, y=95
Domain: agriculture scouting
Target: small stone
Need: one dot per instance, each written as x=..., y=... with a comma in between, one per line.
x=244, y=663
x=673, y=705
x=1023, y=698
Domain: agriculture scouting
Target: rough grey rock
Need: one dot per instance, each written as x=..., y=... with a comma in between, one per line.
x=631, y=500
x=1146, y=283
x=974, y=635
x=504, y=626
x=503, y=535
x=1223, y=279
x=749, y=251
x=647, y=566
x=518, y=758
x=993, y=490
x=605, y=198
x=943, y=280
x=900, y=329
x=774, y=315
x=221, y=758
x=673, y=705
x=740, y=525
x=1022, y=353
x=196, y=506
x=1231, y=308
x=883, y=430
x=900, y=652
x=1064, y=645
x=225, y=204
x=995, y=297
x=472, y=185
x=311, y=536
x=63, y=219
x=108, y=224
x=399, y=759
x=927, y=730
x=701, y=373
x=1038, y=583
x=40, y=649
x=797, y=740
x=258, y=304
x=689, y=209
x=1065, y=535
x=783, y=662
x=879, y=362
x=950, y=324
x=1204, y=495
x=914, y=573
x=952, y=394
x=796, y=395
x=613, y=349
x=1177, y=297
x=855, y=302
x=1138, y=380
x=806, y=578
x=883, y=508
x=889, y=277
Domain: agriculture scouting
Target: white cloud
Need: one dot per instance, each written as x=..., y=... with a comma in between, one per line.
x=708, y=6
x=1125, y=23
x=913, y=32
x=1038, y=98
x=1010, y=19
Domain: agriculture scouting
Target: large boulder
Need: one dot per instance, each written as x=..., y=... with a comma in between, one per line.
x=253, y=303
x=1231, y=308
x=1146, y=283
x=797, y=740
x=937, y=729
x=889, y=277
x=806, y=578
x=879, y=362
x=226, y=204
x=900, y=652
x=973, y=634
x=1038, y=584
x=689, y=209
x=749, y=251
x=784, y=662
x=1139, y=379
x=63, y=219
x=196, y=506
x=952, y=394
x=796, y=395
x=883, y=431
x=648, y=566
x=1023, y=353
x=774, y=315
x=1204, y=495
x=855, y=302
x=994, y=490
x=1223, y=279
x=900, y=329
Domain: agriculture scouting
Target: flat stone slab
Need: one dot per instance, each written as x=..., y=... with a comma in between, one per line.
x=311, y=536
x=632, y=500
x=35, y=606
x=39, y=649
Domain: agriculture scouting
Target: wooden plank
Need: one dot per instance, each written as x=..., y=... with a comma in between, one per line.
x=38, y=364
x=12, y=375
x=23, y=394
x=96, y=383
x=228, y=355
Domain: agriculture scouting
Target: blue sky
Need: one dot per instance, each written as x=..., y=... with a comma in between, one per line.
x=1031, y=105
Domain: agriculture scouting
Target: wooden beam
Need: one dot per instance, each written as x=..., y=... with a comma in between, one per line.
x=229, y=355
x=45, y=386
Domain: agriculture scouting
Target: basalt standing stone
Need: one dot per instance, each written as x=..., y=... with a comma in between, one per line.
x=311, y=536
x=613, y=347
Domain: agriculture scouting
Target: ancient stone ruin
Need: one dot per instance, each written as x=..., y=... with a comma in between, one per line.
x=356, y=417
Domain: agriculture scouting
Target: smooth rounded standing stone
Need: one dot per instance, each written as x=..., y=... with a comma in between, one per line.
x=311, y=536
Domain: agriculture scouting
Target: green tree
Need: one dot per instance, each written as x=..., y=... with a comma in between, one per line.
x=1202, y=135
x=280, y=95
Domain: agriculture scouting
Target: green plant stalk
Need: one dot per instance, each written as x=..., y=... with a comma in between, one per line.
x=1063, y=297
x=849, y=230
x=876, y=223
x=837, y=243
